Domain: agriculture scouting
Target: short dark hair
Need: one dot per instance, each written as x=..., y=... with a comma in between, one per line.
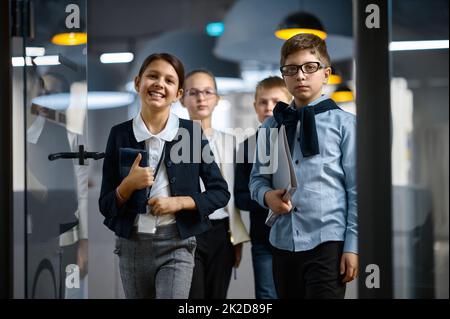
x=272, y=82
x=305, y=41
x=204, y=71
x=169, y=58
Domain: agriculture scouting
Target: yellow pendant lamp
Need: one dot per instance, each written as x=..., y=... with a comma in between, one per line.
x=300, y=22
x=342, y=94
x=334, y=78
x=70, y=38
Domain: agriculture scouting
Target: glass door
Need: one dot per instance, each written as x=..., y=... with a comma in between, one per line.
x=50, y=69
x=420, y=154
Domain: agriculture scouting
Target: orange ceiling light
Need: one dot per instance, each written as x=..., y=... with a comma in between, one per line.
x=334, y=79
x=70, y=38
x=342, y=95
x=300, y=22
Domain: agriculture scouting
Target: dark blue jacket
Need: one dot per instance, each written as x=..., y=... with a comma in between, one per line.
x=184, y=180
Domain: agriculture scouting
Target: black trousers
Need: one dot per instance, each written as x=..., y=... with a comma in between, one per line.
x=214, y=260
x=312, y=274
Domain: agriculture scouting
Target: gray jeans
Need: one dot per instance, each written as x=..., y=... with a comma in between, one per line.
x=156, y=265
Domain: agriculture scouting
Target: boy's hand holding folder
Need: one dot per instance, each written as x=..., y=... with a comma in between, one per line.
x=284, y=180
x=279, y=201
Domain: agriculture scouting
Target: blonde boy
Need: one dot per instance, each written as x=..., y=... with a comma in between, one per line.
x=268, y=92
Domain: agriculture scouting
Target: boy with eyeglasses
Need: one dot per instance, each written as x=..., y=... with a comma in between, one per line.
x=220, y=248
x=315, y=234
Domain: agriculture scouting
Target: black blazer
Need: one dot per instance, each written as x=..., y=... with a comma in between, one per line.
x=184, y=180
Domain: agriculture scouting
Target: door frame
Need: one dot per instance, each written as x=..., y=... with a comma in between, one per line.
x=373, y=100
x=6, y=194
x=374, y=162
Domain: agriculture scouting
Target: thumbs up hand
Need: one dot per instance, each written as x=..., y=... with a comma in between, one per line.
x=137, y=178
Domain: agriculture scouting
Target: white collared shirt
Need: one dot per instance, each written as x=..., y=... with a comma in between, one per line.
x=154, y=144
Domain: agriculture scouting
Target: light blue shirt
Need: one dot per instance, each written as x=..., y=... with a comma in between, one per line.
x=324, y=205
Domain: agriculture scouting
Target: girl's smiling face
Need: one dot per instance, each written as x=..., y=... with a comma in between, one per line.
x=158, y=86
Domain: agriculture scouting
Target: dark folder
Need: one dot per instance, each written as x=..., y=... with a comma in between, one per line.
x=138, y=200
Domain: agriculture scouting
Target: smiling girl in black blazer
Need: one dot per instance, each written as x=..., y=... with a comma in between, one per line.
x=156, y=242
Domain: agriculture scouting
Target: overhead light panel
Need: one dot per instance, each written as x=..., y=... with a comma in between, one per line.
x=40, y=60
x=95, y=100
x=47, y=60
x=120, y=57
x=34, y=51
x=418, y=45
x=20, y=61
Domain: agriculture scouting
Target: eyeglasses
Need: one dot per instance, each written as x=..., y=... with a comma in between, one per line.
x=307, y=68
x=208, y=93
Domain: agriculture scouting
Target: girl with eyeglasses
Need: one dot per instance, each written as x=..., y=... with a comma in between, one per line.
x=220, y=248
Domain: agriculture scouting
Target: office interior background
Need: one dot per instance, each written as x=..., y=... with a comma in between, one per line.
x=63, y=97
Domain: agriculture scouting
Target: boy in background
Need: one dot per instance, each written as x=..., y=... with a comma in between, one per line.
x=268, y=92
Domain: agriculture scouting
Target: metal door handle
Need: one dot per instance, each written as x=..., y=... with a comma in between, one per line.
x=81, y=155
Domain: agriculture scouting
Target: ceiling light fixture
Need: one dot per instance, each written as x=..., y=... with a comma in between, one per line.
x=71, y=38
x=418, y=45
x=342, y=94
x=47, y=60
x=300, y=22
x=95, y=100
x=20, y=61
x=119, y=57
x=215, y=29
x=34, y=51
x=334, y=79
